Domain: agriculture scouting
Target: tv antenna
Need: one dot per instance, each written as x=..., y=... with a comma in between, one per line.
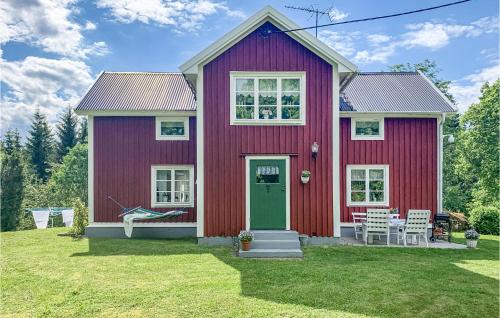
x=314, y=11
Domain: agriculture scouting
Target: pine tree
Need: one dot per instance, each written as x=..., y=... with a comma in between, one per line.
x=12, y=179
x=66, y=133
x=40, y=146
x=83, y=132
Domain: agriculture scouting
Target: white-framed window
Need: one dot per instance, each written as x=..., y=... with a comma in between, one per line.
x=172, y=128
x=268, y=98
x=172, y=186
x=367, y=185
x=367, y=128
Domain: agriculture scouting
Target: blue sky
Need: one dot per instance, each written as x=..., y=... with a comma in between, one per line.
x=52, y=50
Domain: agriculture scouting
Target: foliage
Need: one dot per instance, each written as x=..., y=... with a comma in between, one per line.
x=66, y=133
x=485, y=219
x=40, y=146
x=471, y=234
x=80, y=218
x=12, y=180
x=83, y=131
x=306, y=173
x=69, y=180
x=245, y=236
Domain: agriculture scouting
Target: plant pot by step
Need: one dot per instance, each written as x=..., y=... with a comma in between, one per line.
x=245, y=246
x=471, y=243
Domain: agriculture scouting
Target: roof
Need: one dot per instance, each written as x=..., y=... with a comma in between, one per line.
x=143, y=91
x=267, y=14
x=401, y=92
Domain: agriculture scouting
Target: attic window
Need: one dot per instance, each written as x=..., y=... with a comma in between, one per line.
x=172, y=128
x=367, y=129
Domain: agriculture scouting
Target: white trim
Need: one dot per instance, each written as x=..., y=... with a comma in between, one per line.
x=275, y=75
x=351, y=114
x=140, y=224
x=366, y=167
x=200, y=163
x=336, y=150
x=438, y=90
x=90, y=165
x=350, y=224
x=440, y=123
x=266, y=14
x=160, y=120
x=155, y=168
x=247, y=186
x=136, y=113
x=381, y=124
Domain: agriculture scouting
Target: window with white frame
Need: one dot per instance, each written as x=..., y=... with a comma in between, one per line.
x=367, y=129
x=367, y=185
x=268, y=98
x=172, y=186
x=172, y=128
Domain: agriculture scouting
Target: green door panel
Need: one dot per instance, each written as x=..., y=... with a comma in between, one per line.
x=267, y=194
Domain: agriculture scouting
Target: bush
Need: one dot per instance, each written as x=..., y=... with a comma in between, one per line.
x=80, y=218
x=485, y=219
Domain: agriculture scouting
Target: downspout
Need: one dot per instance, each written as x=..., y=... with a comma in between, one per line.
x=441, y=121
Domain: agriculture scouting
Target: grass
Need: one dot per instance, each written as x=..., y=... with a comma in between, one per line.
x=47, y=275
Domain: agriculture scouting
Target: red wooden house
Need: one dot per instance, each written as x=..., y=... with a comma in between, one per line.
x=229, y=136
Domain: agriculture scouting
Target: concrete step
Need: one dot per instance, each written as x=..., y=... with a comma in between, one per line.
x=275, y=244
x=275, y=235
x=271, y=253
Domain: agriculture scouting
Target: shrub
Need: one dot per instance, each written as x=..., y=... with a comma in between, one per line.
x=485, y=219
x=80, y=218
x=246, y=236
x=471, y=234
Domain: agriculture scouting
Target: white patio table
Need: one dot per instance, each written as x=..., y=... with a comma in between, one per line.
x=397, y=223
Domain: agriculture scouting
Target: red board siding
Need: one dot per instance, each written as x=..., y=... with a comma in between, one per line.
x=311, y=204
x=410, y=150
x=124, y=150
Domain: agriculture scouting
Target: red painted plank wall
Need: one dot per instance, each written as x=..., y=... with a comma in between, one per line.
x=410, y=150
x=311, y=204
x=124, y=150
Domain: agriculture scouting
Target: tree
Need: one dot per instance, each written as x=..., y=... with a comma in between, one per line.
x=478, y=160
x=12, y=180
x=83, y=132
x=66, y=133
x=40, y=146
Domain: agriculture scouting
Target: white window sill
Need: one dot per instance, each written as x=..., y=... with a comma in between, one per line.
x=368, y=204
x=172, y=205
x=367, y=138
x=271, y=122
x=177, y=138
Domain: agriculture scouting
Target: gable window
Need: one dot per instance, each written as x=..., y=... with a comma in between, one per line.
x=172, y=128
x=367, y=185
x=172, y=186
x=367, y=129
x=267, y=98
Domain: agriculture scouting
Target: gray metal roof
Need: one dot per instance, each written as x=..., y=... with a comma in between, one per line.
x=132, y=91
x=407, y=92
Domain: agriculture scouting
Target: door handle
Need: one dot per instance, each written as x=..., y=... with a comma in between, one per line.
x=283, y=188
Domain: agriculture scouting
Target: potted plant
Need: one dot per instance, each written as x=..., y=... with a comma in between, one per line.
x=471, y=236
x=245, y=238
x=304, y=177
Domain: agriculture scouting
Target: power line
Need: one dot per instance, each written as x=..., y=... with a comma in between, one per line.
x=373, y=18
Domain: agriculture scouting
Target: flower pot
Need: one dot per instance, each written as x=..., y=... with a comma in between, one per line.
x=245, y=245
x=304, y=179
x=471, y=243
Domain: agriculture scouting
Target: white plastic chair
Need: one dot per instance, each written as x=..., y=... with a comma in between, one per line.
x=377, y=223
x=358, y=218
x=416, y=224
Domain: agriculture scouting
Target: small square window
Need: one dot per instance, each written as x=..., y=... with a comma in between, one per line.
x=172, y=186
x=172, y=128
x=367, y=129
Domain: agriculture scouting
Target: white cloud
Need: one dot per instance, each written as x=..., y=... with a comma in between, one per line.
x=343, y=42
x=50, y=84
x=181, y=14
x=378, y=38
x=47, y=24
x=467, y=90
x=336, y=15
x=89, y=25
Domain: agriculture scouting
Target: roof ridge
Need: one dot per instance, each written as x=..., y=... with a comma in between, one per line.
x=388, y=73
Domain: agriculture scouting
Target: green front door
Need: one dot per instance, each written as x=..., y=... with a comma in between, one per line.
x=267, y=194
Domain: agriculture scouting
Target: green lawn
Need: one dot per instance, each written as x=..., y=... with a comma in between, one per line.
x=47, y=275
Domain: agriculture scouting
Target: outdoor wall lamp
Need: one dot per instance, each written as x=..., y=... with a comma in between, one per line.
x=314, y=149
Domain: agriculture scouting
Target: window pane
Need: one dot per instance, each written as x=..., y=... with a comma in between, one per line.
x=267, y=174
x=377, y=185
x=163, y=197
x=181, y=185
x=269, y=85
x=290, y=99
x=244, y=99
x=181, y=174
x=376, y=174
x=358, y=197
x=377, y=196
x=244, y=112
x=290, y=85
x=163, y=186
x=267, y=99
x=244, y=84
x=163, y=174
x=290, y=112
x=172, y=128
x=357, y=174
x=367, y=128
x=268, y=112
x=181, y=196
x=358, y=185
